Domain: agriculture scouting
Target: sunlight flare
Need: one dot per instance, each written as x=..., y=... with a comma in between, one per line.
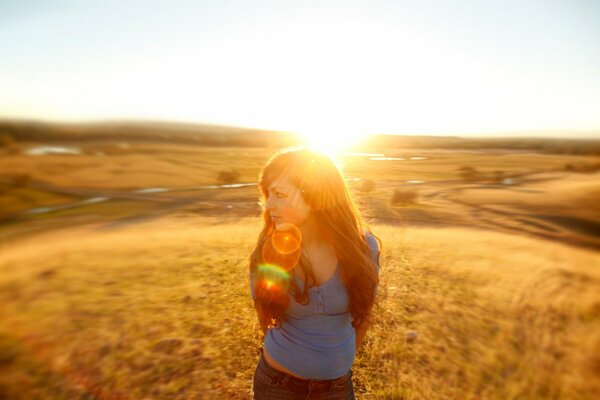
x=331, y=140
x=273, y=278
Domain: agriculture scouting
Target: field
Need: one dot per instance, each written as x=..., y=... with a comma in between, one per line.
x=489, y=290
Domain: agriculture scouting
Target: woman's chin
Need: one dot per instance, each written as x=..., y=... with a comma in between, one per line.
x=284, y=226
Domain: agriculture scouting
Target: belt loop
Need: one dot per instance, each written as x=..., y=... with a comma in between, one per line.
x=285, y=379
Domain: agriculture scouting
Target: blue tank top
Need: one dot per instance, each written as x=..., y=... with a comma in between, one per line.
x=318, y=340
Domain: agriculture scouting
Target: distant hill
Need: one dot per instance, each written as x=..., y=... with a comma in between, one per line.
x=200, y=134
x=218, y=135
x=542, y=145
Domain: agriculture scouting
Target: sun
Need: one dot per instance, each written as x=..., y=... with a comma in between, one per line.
x=332, y=140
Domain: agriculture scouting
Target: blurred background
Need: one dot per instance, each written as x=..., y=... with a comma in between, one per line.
x=131, y=139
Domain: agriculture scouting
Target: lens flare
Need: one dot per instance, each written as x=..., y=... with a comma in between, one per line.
x=280, y=254
x=287, y=238
x=273, y=273
x=282, y=248
x=271, y=286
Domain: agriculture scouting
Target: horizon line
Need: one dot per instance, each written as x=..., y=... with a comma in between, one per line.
x=554, y=133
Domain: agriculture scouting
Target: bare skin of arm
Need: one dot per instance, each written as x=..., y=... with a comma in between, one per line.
x=361, y=332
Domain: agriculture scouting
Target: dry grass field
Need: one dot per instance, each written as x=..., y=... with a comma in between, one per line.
x=123, y=273
x=162, y=310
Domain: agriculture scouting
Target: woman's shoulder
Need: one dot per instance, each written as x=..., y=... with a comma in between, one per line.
x=373, y=243
x=371, y=240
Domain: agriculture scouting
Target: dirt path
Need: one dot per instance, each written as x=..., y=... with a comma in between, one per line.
x=439, y=204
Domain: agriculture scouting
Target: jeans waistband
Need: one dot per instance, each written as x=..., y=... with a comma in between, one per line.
x=289, y=380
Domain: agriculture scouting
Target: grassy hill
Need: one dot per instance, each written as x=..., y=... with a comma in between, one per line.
x=161, y=310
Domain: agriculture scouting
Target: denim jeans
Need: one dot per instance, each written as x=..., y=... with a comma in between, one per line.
x=273, y=384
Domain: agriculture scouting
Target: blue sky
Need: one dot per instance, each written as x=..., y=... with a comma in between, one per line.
x=348, y=67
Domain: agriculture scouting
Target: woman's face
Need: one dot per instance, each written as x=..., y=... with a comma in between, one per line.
x=285, y=203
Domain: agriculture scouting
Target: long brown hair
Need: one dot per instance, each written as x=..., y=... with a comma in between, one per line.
x=339, y=222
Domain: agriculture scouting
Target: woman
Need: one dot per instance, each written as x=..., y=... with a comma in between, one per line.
x=313, y=278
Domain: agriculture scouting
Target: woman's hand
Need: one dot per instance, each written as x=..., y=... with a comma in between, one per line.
x=361, y=332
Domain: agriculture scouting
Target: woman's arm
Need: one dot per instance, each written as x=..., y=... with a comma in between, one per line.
x=263, y=327
x=361, y=332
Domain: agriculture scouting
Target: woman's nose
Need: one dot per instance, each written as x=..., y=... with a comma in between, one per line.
x=269, y=203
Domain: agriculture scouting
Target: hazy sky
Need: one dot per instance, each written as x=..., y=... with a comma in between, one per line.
x=315, y=66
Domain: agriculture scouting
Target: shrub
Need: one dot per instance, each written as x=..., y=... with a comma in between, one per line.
x=6, y=140
x=228, y=177
x=20, y=180
x=469, y=174
x=367, y=186
x=404, y=196
x=582, y=168
x=498, y=176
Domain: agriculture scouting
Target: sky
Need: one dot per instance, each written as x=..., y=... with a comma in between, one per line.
x=466, y=67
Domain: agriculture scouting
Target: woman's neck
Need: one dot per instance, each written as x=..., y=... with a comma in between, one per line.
x=311, y=235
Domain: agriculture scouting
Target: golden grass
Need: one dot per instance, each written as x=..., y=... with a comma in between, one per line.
x=565, y=209
x=444, y=164
x=569, y=194
x=140, y=165
x=22, y=199
x=498, y=317
x=162, y=310
x=171, y=165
